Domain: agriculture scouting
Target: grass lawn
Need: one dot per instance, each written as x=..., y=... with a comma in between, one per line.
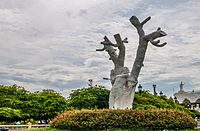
x=52, y=129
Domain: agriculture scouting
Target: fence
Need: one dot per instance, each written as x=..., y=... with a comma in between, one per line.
x=29, y=126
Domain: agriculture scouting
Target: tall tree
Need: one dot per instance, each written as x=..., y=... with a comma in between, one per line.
x=47, y=104
x=91, y=97
x=38, y=105
x=123, y=82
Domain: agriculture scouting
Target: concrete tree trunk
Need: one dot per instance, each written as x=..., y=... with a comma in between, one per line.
x=123, y=81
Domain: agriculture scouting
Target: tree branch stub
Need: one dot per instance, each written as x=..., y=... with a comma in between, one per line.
x=143, y=43
x=118, y=60
x=156, y=34
x=145, y=21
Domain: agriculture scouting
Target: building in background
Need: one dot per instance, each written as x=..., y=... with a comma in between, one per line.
x=189, y=99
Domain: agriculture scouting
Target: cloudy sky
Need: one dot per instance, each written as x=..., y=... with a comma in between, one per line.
x=51, y=43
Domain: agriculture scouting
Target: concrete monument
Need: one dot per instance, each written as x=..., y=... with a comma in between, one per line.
x=123, y=81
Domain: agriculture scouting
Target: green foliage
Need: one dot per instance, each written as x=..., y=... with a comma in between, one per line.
x=197, y=113
x=149, y=101
x=38, y=105
x=47, y=104
x=108, y=119
x=27, y=121
x=12, y=96
x=9, y=115
x=87, y=98
x=98, y=97
x=146, y=99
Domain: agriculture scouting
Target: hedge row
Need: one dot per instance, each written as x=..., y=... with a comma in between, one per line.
x=127, y=119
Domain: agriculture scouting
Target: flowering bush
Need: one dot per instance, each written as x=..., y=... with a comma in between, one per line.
x=107, y=119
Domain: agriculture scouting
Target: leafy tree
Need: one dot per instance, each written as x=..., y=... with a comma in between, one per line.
x=38, y=105
x=149, y=101
x=153, y=101
x=49, y=103
x=146, y=99
x=13, y=96
x=10, y=115
x=87, y=98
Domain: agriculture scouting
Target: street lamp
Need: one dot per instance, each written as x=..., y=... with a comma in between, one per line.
x=154, y=89
x=161, y=94
x=140, y=89
x=175, y=99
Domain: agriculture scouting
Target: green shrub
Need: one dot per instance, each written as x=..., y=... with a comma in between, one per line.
x=127, y=119
x=4, y=123
x=195, y=112
x=27, y=121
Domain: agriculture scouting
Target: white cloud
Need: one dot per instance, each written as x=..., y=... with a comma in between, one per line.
x=51, y=43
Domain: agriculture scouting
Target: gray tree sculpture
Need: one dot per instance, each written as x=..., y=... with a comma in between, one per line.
x=123, y=81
